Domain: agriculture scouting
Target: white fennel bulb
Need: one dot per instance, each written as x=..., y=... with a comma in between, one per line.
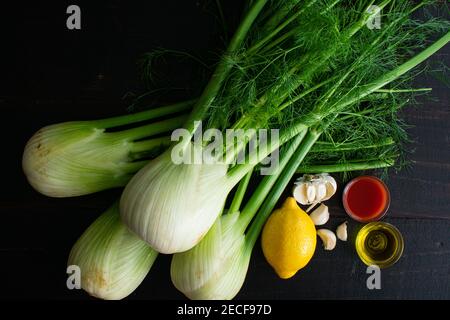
x=172, y=206
x=112, y=261
x=76, y=158
x=216, y=268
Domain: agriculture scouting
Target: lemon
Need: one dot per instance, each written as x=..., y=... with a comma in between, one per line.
x=289, y=239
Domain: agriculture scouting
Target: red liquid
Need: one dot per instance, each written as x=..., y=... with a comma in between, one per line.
x=366, y=198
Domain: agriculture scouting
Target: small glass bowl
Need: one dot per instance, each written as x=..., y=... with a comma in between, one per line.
x=352, y=214
x=390, y=236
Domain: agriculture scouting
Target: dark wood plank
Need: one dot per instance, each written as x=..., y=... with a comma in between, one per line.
x=422, y=273
x=39, y=247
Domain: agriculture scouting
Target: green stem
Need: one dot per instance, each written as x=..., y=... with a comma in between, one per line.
x=304, y=94
x=240, y=193
x=152, y=129
x=278, y=19
x=279, y=16
x=288, y=34
x=133, y=167
x=403, y=90
x=365, y=112
x=367, y=16
x=312, y=67
x=276, y=192
x=338, y=147
x=145, y=115
x=332, y=5
x=239, y=171
x=270, y=36
x=347, y=167
x=266, y=185
x=147, y=145
x=279, y=40
x=233, y=149
x=327, y=53
x=224, y=67
x=319, y=114
x=397, y=72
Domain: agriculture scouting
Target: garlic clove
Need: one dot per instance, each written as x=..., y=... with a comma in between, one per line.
x=331, y=186
x=328, y=238
x=341, y=231
x=321, y=191
x=300, y=195
x=311, y=193
x=320, y=216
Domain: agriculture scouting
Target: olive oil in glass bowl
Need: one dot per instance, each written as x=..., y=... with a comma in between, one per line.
x=380, y=244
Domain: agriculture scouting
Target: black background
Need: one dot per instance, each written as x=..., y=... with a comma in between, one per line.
x=50, y=74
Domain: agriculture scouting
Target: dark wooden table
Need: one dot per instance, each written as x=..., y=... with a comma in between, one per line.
x=51, y=74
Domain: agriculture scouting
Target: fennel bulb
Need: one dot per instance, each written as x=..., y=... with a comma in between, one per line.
x=216, y=268
x=112, y=260
x=82, y=157
x=76, y=158
x=172, y=206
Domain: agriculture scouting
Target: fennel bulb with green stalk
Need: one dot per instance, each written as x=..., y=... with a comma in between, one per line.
x=172, y=206
x=216, y=268
x=152, y=203
x=76, y=158
x=82, y=157
x=112, y=261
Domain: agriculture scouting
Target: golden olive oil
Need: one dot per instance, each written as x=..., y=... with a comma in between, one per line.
x=380, y=244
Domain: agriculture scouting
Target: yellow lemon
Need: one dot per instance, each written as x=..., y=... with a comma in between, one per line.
x=289, y=239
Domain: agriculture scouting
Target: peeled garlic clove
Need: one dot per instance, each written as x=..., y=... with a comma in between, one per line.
x=328, y=238
x=331, y=187
x=321, y=215
x=300, y=195
x=311, y=193
x=341, y=232
x=321, y=191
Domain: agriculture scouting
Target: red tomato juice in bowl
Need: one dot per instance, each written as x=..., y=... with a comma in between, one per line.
x=366, y=199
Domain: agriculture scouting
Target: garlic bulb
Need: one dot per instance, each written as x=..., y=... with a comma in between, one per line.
x=172, y=206
x=328, y=238
x=216, y=268
x=320, y=216
x=341, y=231
x=311, y=189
